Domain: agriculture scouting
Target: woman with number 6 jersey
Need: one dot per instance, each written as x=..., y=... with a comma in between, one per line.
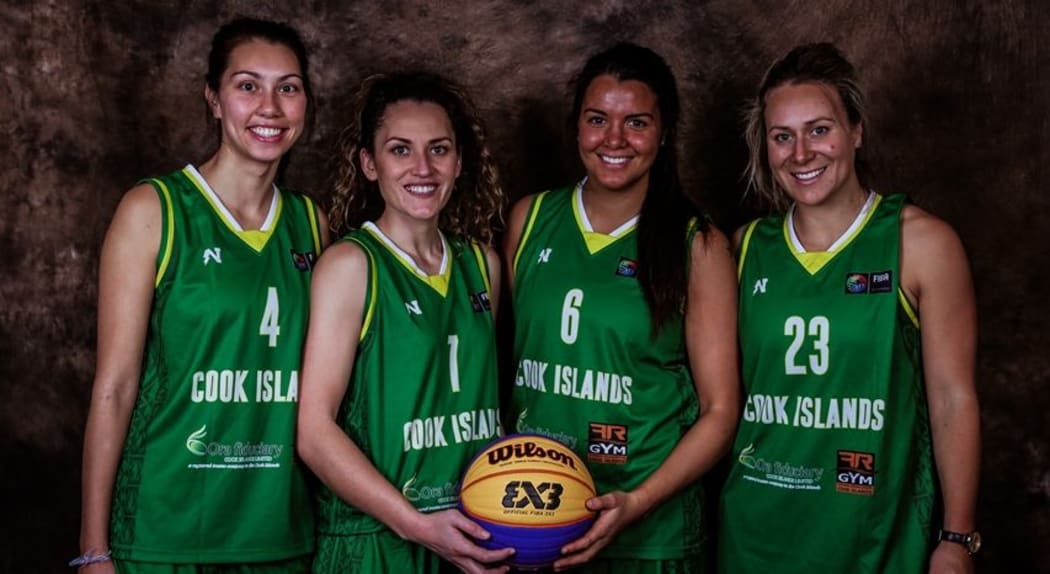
x=399, y=372
x=850, y=405
x=625, y=322
x=189, y=456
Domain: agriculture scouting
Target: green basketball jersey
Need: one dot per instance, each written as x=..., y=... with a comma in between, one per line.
x=423, y=396
x=209, y=472
x=833, y=466
x=589, y=373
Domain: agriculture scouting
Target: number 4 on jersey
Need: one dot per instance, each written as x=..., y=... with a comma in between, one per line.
x=269, y=326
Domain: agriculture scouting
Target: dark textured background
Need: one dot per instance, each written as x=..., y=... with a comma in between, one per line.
x=97, y=94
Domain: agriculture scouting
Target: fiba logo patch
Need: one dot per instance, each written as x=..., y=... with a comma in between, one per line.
x=303, y=261
x=607, y=443
x=480, y=301
x=875, y=282
x=855, y=473
x=856, y=283
x=627, y=267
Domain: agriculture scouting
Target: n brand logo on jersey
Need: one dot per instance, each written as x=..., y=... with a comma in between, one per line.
x=303, y=261
x=760, y=286
x=545, y=255
x=213, y=254
x=413, y=307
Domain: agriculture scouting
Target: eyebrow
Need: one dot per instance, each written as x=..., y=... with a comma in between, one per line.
x=807, y=123
x=408, y=141
x=258, y=75
x=604, y=113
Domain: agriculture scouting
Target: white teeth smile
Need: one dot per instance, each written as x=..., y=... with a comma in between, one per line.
x=614, y=160
x=808, y=175
x=421, y=189
x=266, y=132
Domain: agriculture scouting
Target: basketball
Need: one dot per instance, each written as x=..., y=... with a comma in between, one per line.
x=528, y=492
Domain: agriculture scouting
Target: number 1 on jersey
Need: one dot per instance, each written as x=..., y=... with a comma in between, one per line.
x=453, y=362
x=269, y=326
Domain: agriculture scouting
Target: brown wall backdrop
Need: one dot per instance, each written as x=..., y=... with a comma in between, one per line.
x=98, y=94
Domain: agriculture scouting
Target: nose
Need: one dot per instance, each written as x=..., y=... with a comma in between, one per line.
x=269, y=105
x=421, y=166
x=801, y=150
x=614, y=135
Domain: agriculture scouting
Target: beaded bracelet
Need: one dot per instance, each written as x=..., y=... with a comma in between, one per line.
x=89, y=558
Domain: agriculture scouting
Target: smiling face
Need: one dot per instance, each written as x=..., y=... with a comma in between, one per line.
x=619, y=133
x=261, y=103
x=810, y=142
x=415, y=160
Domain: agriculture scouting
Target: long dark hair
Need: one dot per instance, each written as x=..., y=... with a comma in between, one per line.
x=663, y=242
x=476, y=204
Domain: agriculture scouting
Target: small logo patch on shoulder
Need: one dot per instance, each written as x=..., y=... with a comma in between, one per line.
x=627, y=267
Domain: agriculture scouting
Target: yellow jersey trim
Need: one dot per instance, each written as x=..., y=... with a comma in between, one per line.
x=254, y=238
x=530, y=220
x=483, y=265
x=315, y=224
x=814, y=261
x=371, y=290
x=908, y=309
x=438, y=282
x=594, y=240
x=169, y=236
x=744, y=244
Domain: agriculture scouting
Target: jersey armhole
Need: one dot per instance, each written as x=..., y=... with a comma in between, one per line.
x=483, y=265
x=370, y=291
x=744, y=244
x=315, y=223
x=167, y=229
x=530, y=220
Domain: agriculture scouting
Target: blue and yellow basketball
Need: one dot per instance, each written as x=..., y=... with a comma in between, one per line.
x=528, y=492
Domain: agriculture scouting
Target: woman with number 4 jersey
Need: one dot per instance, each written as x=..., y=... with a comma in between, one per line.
x=625, y=322
x=400, y=386
x=189, y=457
x=852, y=411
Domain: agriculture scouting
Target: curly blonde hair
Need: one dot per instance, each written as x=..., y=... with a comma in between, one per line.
x=476, y=205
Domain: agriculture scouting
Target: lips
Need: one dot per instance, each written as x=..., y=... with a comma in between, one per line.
x=614, y=160
x=266, y=132
x=808, y=176
x=421, y=188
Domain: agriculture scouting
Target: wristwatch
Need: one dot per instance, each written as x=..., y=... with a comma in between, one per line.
x=971, y=541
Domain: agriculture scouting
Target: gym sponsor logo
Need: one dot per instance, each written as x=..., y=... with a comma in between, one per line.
x=303, y=261
x=627, y=267
x=607, y=443
x=522, y=427
x=231, y=455
x=856, y=472
x=865, y=283
x=480, y=301
x=779, y=473
x=428, y=497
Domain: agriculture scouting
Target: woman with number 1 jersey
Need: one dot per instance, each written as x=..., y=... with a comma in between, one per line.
x=853, y=412
x=625, y=323
x=189, y=454
x=400, y=383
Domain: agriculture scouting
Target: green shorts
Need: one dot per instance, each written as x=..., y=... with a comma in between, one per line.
x=298, y=565
x=377, y=553
x=689, y=565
